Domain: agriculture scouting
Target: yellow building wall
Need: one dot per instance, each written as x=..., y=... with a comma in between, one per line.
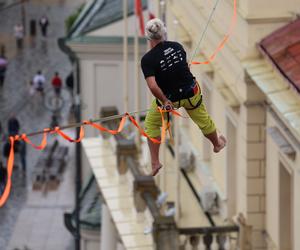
x=255, y=20
x=274, y=158
x=272, y=188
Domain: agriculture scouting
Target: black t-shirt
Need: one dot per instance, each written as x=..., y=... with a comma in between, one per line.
x=167, y=62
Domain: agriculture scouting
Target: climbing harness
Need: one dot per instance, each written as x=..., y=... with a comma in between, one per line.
x=184, y=93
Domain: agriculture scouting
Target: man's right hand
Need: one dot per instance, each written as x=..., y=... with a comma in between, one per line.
x=168, y=105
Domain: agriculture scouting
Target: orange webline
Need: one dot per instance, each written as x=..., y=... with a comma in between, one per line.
x=57, y=130
x=224, y=40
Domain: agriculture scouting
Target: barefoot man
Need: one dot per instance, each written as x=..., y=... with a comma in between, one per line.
x=168, y=77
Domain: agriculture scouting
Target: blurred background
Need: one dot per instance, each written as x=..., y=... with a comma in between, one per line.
x=65, y=61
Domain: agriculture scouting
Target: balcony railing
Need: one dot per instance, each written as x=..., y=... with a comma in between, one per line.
x=213, y=238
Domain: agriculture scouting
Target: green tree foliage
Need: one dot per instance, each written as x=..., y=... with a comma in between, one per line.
x=72, y=18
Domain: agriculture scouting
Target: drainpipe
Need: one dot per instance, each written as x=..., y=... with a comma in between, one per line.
x=77, y=109
x=78, y=157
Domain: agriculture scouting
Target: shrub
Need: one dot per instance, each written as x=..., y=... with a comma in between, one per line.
x=72, y=18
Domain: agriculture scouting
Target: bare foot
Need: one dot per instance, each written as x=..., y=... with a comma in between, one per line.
x=222, y=144
x=155, y=169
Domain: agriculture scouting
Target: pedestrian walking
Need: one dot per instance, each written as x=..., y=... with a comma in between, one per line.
x=3, y=175
x=3, y=67
x=57, y=83
x=39, y=81
x=70, y=83
x=13, y=125
x=1, y=140
x=44, y=23
x=32, y=27
x=6, y=152
x=19, y=35
x=170, y=80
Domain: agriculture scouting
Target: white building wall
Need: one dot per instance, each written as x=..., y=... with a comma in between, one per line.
x=102, y=85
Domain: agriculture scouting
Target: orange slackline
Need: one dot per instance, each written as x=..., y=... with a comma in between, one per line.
x=57, y=130
x=113, y=132
x=65, y=136
x=163, y=130
x=10, y=165
x=43, y=143
x=224, y=40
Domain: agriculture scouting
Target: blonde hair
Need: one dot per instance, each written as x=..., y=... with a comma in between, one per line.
x=155, y=29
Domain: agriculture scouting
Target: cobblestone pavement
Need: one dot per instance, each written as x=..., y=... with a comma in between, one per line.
x=38, y=54
x=40, y=225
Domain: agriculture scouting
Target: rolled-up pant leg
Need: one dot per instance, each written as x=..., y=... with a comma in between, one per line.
x=153, y=121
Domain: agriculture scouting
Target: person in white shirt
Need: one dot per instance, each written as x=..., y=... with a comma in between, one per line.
x=39, y=81
x=44, y=25
x=19, y=35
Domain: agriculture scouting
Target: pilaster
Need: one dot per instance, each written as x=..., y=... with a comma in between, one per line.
x=255, y=120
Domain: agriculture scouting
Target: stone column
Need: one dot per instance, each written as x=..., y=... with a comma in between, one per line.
x=165, y=233
x=109, y=236
x=125, y=148
x=254, y=113
x=121, y=246
x=141, y=185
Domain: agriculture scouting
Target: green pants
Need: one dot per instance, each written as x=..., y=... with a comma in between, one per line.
x=199, y=115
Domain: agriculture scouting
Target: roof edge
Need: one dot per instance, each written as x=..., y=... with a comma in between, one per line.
x=104, y=40
x=130, y=12
x=270, y=59
x=84, y=12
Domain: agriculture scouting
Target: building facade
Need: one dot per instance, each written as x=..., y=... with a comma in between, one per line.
x=252, y=176
x=253, y=104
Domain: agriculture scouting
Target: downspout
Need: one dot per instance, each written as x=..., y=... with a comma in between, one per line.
x=77, y=109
